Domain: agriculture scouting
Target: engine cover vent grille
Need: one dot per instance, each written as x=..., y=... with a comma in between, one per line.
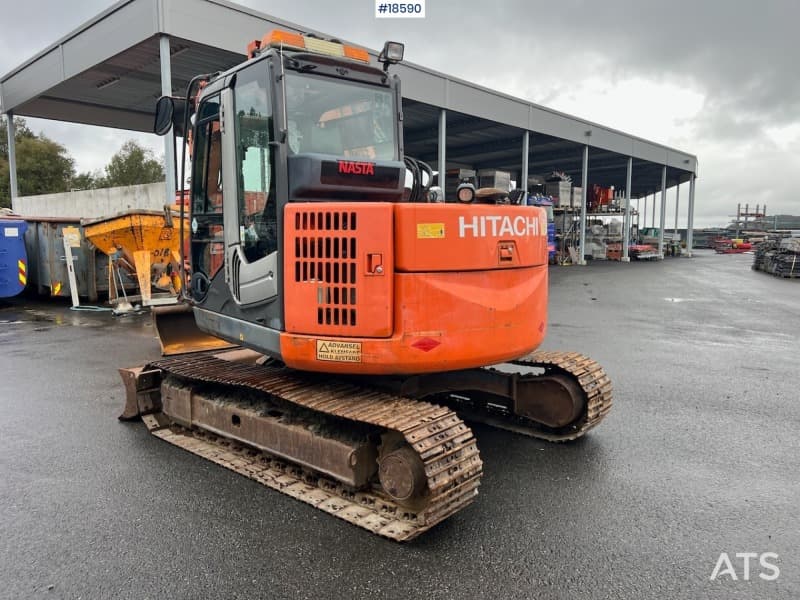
x=325, y=264
x=325, y=256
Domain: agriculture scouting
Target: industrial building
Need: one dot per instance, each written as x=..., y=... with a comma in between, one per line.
x=110, y=71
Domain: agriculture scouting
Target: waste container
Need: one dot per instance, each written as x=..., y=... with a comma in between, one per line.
x=13, y=258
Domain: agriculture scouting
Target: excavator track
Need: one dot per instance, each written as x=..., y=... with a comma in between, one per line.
x=594, y=384
x=441, y=440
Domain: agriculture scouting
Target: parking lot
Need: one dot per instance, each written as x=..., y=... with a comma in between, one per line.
x=699, y=456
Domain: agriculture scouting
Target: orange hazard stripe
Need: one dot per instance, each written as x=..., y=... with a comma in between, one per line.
x=23, y=278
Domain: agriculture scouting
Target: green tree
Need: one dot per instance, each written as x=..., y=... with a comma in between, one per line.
x=88, y=181
x=43, y=166
x=5, y=184
x=21, y=131
x=133, y=165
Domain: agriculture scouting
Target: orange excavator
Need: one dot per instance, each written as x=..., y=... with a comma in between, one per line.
x=367, y=317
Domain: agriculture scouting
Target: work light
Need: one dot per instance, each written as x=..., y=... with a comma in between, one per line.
x=392, y=53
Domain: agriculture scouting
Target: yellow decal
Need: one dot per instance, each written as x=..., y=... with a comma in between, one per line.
x=430, y=230
x=339, y=351
x=57, y=288
x=73, y=236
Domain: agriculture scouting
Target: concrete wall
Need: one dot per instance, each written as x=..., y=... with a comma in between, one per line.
x=90, y=204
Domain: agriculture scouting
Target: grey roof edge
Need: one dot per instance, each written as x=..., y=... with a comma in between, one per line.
x=75, y=32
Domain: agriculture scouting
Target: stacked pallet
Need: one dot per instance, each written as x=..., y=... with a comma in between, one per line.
x=779, y=257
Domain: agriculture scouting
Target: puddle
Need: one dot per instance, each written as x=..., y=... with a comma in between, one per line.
x=39, y=317
x=36, y=316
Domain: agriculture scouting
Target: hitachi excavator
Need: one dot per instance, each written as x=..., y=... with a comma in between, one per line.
x=367, y=320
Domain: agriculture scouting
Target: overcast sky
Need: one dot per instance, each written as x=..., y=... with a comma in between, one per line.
x=717, y=79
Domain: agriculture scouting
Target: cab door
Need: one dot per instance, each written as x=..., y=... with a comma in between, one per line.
x=251, y=228
x=207, y=243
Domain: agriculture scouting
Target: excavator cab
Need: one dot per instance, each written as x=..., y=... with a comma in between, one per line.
x=288, y=123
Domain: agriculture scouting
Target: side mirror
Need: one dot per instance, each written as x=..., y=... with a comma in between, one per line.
x=170, y=112
x=165, y=110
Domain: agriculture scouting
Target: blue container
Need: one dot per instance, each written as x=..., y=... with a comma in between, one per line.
x=13, y=259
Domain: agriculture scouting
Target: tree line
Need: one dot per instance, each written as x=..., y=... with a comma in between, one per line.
x=46, y=167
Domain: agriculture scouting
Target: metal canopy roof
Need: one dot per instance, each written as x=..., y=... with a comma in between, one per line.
x=107, y=73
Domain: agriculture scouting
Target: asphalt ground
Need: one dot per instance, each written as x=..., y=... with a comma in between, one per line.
x=700, y=455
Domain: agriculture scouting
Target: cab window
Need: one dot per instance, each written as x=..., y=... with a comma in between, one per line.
x=255, y=164
x=206, y=225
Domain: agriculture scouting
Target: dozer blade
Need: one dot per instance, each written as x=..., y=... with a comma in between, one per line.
x=143, y=387
x=178, y=333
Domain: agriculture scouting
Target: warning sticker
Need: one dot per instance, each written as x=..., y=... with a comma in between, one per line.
x=339, y=351
x=430, y=230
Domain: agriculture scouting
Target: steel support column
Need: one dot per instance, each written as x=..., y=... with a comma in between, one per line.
x=442, y=166
x=525, y=143
x=585, y=194
x=663, y=216
x=644, y=211
x=690, y=218
x=12, y=156
x=626, y=219
x=653, y=213
x=677, y=202
x=169, y=140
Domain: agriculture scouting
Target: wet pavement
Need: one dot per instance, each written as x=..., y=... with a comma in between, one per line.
x=699, y=456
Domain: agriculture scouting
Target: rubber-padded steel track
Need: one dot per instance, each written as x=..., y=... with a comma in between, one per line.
x=443, y=442
x=594, y=383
